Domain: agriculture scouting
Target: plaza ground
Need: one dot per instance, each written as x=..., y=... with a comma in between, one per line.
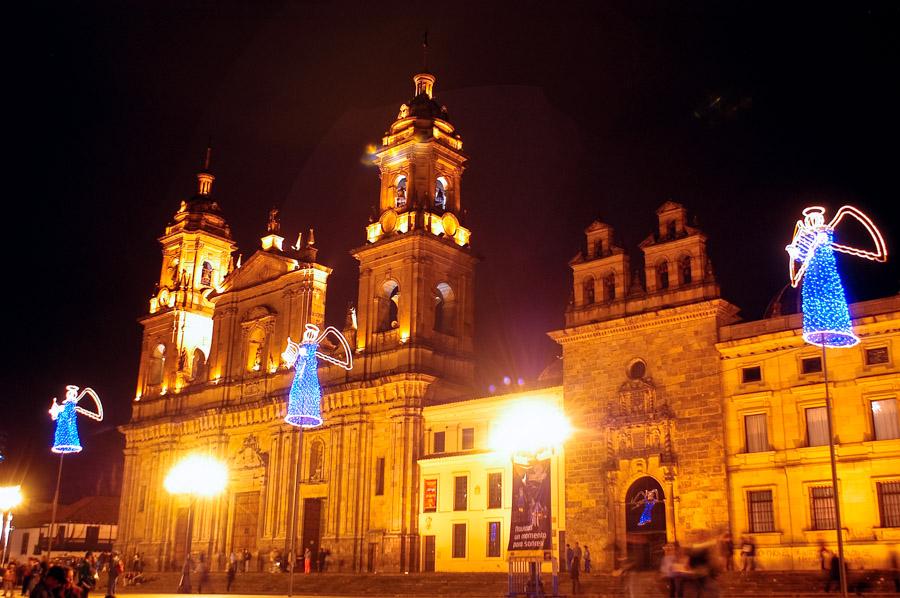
x=474, y=585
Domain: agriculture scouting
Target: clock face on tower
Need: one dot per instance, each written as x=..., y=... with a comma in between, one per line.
x=388, y=220
x=450, y=223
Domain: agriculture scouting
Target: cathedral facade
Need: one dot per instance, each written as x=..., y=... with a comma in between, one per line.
x=401, y=477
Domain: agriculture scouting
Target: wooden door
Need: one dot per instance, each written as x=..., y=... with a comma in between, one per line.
x=312, y=524
x=429, y=553
x=245, y=521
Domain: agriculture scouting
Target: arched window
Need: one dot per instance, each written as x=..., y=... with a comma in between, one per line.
x=440, y=193
x=685, y=266
x=662, y=275
x=444, y=309
x=400, y=197
x=388, y=306
x=588, y=287
x=316, y=461
x=157, y=364
x=206, y=274
x=609, y=287
x=256, y=346
x=198, y=366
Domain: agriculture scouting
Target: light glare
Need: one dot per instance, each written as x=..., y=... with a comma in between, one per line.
x=199, y=475
x=530, y=426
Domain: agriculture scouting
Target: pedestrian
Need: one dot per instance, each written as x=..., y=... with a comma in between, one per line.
x=834, y=574
x=246, y=561
x=727, y=549
x=184, y=584
x=307, y=560
x=115, y=569
x=669, y=570
x=587, y=559
x=748, y=554
x=232, y=569
x=232, y=560
x=9, y=580
x=320, y=565
x=824, y=556
x=70, y=589
x=570, y=554
x=27, y=570
x=85, y=575
x=50, y=584
x=202, y=573
x=574, y=571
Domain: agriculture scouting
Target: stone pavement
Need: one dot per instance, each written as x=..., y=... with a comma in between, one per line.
x=477, y=585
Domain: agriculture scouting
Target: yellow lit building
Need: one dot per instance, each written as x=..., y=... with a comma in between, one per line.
x=777, y=438
x=464, y=515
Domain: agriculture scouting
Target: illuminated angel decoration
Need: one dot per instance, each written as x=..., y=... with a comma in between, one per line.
x=826, y=318
x=645, y=499
x=305, y=397
x=65, y=414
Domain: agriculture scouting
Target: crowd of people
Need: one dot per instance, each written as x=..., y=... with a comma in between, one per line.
x=65, y=578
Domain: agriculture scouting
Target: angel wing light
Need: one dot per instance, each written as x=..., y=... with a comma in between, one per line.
x=65, y=414
x=304, y=408
x=826, y=317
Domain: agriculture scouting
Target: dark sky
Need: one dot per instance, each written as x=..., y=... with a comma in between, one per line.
x=744, y=112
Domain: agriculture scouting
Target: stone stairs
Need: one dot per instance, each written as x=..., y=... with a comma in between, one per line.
x=473, y=585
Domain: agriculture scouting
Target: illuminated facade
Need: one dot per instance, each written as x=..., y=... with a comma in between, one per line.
x=400, y=478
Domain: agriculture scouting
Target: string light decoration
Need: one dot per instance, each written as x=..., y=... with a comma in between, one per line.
x=645, y=499
x=826, y=317
x=305, y=397
x=65, y=414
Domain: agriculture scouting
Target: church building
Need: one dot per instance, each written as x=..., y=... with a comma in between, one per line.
x=673, y=439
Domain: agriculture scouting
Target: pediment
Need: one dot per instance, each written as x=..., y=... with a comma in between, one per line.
x=263, y=266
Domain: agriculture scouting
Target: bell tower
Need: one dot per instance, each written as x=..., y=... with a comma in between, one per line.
x=196, y=257
x=416, y=308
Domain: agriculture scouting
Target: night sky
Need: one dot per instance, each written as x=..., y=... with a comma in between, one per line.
x=744, y=114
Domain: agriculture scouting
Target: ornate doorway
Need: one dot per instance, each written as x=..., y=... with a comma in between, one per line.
x=645, y=523
x=246, y=518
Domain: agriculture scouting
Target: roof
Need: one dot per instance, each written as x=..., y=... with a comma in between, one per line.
x=103, y=510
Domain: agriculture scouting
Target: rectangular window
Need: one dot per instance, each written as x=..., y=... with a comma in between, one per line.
x=461, y=493
x=495, y=490
x=889, y=503
x=459, y=540
x=757, y=436
x=876, y=356
x=92, y=535
x=884, y=419
x=821, y=504
x=816, y=426
x=751, y=374
x=761, y=513
x=493, y=538
x=26, y=538
x=429, y=501
x=439, y=442
x=468, y=438
x=811, y=365
x=60, y=534
x=379, y=476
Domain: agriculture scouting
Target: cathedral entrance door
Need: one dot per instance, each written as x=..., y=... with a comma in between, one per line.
x=312, y=520
x=645, y=523
x=178, y=542
x=245, y=521
x=429, y=554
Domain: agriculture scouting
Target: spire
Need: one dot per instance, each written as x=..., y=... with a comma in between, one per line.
x=204, y=177
x=273, y=241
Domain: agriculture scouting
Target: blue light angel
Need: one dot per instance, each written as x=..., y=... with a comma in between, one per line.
x=305, y=397
x=65, y=414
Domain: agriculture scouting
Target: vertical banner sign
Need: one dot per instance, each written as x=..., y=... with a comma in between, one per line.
x=531, y=513
x=429, y=504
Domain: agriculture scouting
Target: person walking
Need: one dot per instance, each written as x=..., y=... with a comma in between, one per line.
x=307, y=560
x=229, y=576
x=579, y=555
x=84, y=575
x=834, y=574
x=570, y=554
x=202, y=573
x=726, y=546
x=246, y=561
x=184, y=584
x=587, y=559
x=115, y=569
x=574, y=571
x=50, y=584
x=748, y=554
x=232, y=560
x=9, y=580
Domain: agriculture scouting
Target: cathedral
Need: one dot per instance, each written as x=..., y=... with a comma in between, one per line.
x=687, y=422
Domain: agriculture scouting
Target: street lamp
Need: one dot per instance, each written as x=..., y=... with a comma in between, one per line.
x=529, y=432
x=197, y=476
x=10, y=498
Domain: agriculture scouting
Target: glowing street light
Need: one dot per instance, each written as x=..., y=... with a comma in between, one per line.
x=530, y=428
x=10, y=498
x=198, y=476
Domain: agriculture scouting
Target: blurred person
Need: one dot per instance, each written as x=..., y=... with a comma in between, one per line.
x=587, y=559
x=824, y=556
x=834, y=573
x=114, y=570
x=229, y=577
x=85, y=576
x=50, y=584
x=673, y=569
x=9, y=579
x=184, y=584
x=307, y=560
x=70, y=589
x=726, y=548
x=748, y=554
x=895, y=569
x=570, y=554
x=575, y=574
x=202, y=573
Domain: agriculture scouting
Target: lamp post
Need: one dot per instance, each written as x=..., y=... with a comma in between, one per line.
x=530, y=432
x=10, y=498
x=196, y=476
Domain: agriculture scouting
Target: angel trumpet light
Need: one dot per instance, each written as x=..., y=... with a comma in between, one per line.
x=826, y=317
x=65, y=414
x=304, y=400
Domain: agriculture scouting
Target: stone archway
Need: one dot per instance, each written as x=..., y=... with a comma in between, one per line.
x=645, y=522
